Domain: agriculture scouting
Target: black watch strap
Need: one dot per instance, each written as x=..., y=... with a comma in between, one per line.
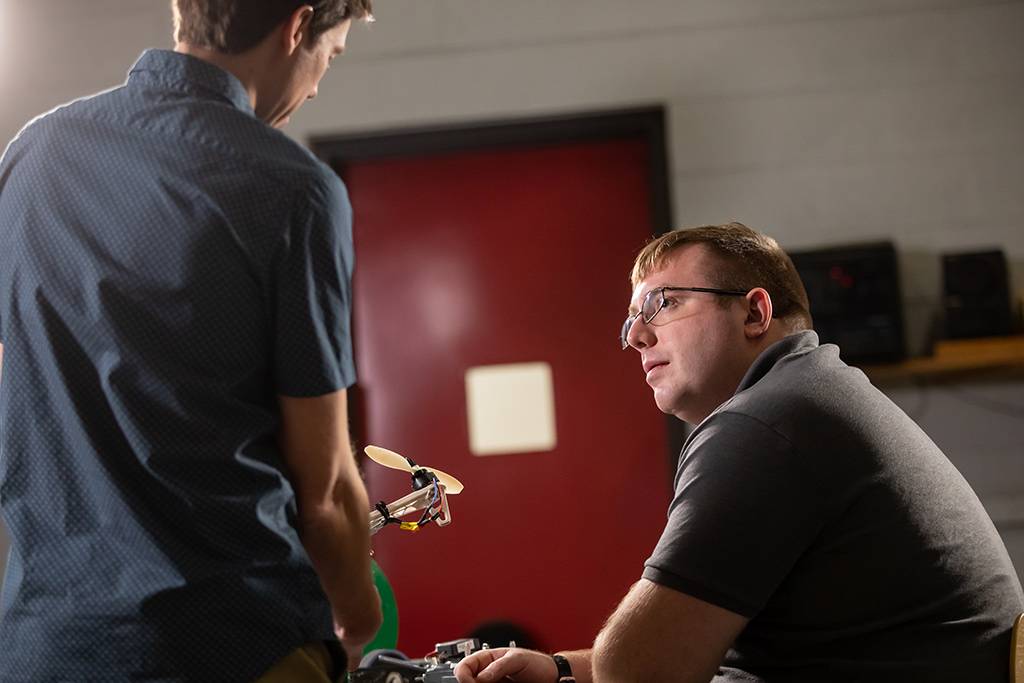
x=564, y=670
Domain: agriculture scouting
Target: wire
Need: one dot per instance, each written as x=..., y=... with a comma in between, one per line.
x=992, y=405
x=921, y=387
x=426, y=518
x=382, y=508
x=955, y=388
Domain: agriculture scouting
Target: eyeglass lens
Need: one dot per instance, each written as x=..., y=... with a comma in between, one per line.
x=648, y=309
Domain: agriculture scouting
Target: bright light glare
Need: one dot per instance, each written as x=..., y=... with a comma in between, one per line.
x=6, y=55
x=10, y=15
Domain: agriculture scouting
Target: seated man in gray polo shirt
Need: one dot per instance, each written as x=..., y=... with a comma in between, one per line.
x=816, y=534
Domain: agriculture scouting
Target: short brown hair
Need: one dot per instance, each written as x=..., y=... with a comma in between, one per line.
x=234, y=26
x=746, y=259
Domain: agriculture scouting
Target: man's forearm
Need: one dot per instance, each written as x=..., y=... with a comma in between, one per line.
x=333, y=516
x=337, y=538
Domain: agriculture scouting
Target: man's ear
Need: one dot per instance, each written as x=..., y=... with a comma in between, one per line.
x=759, y=312
x=296, y=28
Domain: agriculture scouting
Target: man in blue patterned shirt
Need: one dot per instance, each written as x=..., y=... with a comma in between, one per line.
x=175, y=468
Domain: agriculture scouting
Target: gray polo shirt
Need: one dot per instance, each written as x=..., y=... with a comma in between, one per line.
x=811, y=504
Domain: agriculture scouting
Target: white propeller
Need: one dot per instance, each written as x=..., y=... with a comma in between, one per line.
x=383, y=456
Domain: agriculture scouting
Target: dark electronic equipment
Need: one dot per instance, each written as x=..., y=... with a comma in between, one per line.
x=391, y=666
x=855, y=299
x=977, y=294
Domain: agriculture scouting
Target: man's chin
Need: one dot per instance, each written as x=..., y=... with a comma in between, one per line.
x=666, y=404
x=672, y=405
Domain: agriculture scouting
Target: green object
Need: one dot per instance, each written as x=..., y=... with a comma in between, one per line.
x=387, y=636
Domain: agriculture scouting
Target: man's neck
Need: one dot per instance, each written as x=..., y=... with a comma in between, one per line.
x=774, y=334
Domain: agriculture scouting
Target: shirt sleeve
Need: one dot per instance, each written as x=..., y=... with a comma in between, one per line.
x=746, y=507
x=312, y=301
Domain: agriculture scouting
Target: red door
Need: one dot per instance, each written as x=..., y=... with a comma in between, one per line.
x=507, y=256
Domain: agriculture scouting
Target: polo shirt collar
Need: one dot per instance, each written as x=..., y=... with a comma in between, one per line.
x=800, y=342
x=185, y=72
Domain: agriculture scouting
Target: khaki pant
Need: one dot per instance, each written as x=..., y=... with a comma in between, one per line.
x=308, y=664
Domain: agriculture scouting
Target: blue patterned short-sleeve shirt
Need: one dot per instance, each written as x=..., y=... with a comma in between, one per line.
x=169, y=264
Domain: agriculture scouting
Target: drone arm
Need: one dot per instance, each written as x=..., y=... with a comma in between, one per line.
x=420, y=499
x=417, y=500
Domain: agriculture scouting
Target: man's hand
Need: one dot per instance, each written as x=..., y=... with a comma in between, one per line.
x=353, y=655
x=507, y=664
x=354, y=646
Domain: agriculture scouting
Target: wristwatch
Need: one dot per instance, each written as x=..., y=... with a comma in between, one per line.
x=564, y=670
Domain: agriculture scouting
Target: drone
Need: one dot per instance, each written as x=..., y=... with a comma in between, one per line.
x=431, y=488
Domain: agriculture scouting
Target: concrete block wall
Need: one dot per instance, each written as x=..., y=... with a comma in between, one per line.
x=819, y=121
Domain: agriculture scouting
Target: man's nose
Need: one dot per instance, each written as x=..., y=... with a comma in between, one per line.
x=640, y=335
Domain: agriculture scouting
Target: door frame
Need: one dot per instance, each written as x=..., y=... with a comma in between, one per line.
x=647, y=123
x=337, y=151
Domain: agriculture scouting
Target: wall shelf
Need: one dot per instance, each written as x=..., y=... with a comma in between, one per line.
x=955, y=357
